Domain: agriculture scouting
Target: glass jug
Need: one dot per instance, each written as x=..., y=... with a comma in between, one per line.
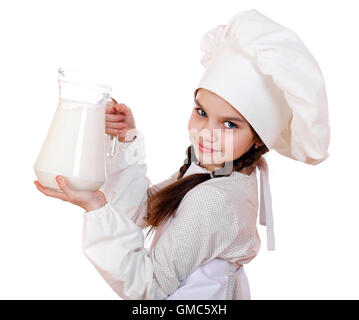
x=75, y=143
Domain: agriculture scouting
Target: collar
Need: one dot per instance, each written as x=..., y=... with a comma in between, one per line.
x=195, y=168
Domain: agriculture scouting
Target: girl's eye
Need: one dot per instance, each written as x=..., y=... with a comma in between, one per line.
x=199, y=109
x=231, y=126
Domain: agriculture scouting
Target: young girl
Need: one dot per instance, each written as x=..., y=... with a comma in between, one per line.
x=261, y=90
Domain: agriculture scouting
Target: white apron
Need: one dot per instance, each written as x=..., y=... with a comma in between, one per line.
x=210, y=281
x=195, y=256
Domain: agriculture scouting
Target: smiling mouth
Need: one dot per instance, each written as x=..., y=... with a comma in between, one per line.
x=204, y=149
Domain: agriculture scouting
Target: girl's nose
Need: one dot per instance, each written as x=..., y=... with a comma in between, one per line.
x=209, y=135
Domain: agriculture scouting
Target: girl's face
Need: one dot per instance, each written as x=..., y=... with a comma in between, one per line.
x=218, y=132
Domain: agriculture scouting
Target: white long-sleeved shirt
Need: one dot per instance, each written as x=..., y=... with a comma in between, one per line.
x=197, y=254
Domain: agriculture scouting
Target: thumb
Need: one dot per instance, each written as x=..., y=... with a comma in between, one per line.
x=61, y=181
x=122, y=108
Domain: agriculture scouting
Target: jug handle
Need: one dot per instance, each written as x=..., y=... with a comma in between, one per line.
x=113, y=141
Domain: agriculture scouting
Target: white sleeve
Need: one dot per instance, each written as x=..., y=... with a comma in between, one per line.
x=127, y=186
x=126, y=182
x=204, y=227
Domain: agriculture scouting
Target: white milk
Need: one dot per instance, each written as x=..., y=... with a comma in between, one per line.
x=74, y=147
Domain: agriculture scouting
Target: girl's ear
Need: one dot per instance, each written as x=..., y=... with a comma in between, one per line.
x=257, y=143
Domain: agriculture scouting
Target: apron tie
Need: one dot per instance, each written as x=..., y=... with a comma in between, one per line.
x=266, y=214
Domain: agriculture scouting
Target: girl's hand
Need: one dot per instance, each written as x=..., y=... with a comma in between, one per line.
x=120, y=121
x=88, y=200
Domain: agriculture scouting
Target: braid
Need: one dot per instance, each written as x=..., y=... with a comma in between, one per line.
x=191, y=156
x=162, y=204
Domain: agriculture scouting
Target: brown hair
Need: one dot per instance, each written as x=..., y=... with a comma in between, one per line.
x=162, y=204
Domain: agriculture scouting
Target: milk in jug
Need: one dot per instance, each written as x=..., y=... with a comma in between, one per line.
x=75, y=143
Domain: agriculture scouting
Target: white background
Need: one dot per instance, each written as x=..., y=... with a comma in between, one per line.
x=150, y=50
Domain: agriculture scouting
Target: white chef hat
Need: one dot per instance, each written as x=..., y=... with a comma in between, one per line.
x=266, y=73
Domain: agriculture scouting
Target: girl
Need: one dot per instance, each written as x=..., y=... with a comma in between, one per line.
x=261, y=90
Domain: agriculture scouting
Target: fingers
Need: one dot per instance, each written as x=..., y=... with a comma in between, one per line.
x=50, y=192
x=116, y=125
x=122, y=108
x=115, y=117
x=116, y=114
x=112, y=102
x=61, y=181
x=118, y=108
x=67, y=193
x=110, y=109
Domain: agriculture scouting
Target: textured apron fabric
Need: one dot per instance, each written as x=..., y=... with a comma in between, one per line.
x=215, y=280
x=204, y=244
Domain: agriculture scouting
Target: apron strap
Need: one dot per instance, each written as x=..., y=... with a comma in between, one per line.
x=266, y=214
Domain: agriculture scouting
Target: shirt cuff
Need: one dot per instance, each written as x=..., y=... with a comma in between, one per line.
x=106, y=216
x=97, y=212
